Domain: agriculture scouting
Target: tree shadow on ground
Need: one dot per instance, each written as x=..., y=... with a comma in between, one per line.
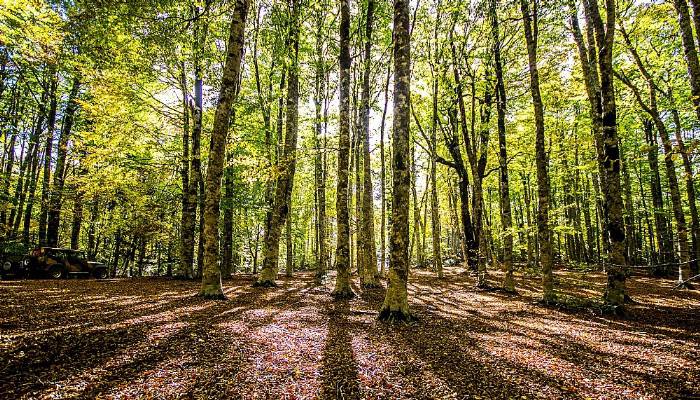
x=339, y=370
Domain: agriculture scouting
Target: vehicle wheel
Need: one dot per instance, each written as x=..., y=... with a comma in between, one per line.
x=100, y=273
x=7, y=266
x=57, y=272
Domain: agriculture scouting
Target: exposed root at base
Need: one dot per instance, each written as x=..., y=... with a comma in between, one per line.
x=390, y=316
x=343, y=294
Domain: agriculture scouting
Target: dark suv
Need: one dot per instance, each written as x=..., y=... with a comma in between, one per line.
x=59, y=263
x=12, y=256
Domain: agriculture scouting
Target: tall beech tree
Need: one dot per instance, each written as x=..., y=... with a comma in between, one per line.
x=342, y=254
x=211, y=273
x=395, y=306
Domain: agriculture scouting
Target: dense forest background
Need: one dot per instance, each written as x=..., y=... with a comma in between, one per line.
x=539, y=134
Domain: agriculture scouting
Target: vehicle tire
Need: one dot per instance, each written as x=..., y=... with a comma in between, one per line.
x=100, y=273
x=7, y=266
x=57, y=272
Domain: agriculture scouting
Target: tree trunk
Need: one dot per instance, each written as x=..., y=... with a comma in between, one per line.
x=506, y=217
x=211, y=274
x=287, y=165
x=395, y=305
x=690, y=191
x=319, y=172
x=188, y=210
x=543, y=229
x=689, y=49
x=342, y=283
x=56, y=198
x=367, y=241
x=50, y=126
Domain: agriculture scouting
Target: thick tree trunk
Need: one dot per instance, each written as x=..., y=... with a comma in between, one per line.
x=342, y=258
x=56, y=198
x=543, y=229
x=395, y=305
x=211, y=274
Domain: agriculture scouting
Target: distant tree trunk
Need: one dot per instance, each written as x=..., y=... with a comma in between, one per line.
x=689, y=49
x=395, y=305
x=211, y=274
x=56, y=198
x=506, y=217
x=285, y=181
x=94, y=215
x=117, y=251
x=227, y=238
x=382, y=174
x=34, y=177
x=690, y=191
x=368, y=243
x=289, y=262
x=200, y=244
x=319, y=172
x=77, y=219
x=188, y=209
x=45, y=189
x=543, y=229
x=342, y=283
x=434, y=203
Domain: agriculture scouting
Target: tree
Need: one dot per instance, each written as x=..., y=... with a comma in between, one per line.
x=395, y=306
x=211, y=274
x=342, y=254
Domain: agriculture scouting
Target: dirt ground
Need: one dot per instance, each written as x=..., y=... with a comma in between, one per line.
x=151, y=338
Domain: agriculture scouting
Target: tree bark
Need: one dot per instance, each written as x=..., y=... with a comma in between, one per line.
x=342, y=258
x=56, y=198
x=543, y=229
x=395, y=305
x=287, y=165
x=211, y=274
x=506, y=216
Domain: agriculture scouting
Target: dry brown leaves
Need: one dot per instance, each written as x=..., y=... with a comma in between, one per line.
x=151, y=338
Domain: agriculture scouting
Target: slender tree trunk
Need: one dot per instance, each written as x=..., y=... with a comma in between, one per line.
x=543, y=229
x=395, y=305
x=56, y=198
x=382, y=173
x=285, y=182
x=506, y=217
x=690, y=191
x=689, y=49
x=368, y=242
x=77, y=220
x=319, y=173
x=342, y=283
x=45, y=189
x=211, y=274
x=188, y=210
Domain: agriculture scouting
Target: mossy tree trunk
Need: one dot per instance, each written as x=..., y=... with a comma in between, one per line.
x=342, y=258
x=395, y=305
x=211, y=273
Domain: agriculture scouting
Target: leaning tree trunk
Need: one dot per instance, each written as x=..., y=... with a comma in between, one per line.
x=543, y=229
x=342, y=258
x=287, y=165
x=211, y=274
x=690, y=51
x=56, y=198
x=395, y=305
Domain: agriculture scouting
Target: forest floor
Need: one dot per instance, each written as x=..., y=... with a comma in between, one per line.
x=151, y=338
